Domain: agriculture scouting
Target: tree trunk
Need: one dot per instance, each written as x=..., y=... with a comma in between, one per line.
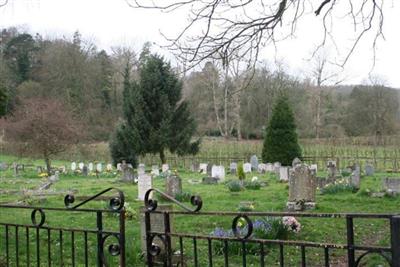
x=162, y=157
x=48, y=165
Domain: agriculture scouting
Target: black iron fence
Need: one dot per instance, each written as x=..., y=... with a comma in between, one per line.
x=198, y=249
x=81, y=237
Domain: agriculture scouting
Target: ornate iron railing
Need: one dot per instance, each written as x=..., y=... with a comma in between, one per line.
x=39, y=243
x=353, y=254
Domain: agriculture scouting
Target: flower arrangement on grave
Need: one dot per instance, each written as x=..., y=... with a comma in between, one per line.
x=263, y=228
x=43, y=174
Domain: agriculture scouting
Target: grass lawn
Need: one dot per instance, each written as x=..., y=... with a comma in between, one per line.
x=272, y=197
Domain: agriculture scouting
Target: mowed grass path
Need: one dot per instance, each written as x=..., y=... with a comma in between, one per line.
x=272, y=197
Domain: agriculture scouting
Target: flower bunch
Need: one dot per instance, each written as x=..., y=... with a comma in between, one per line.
x=291, y=224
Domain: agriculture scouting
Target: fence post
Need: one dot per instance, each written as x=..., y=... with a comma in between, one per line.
x=350, y=241
x=99, y=223
x=168, y=243
x=122, y=238
x=148, y=238
x=395, y=240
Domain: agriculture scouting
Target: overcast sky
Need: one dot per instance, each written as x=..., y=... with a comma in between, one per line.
x=112, y=22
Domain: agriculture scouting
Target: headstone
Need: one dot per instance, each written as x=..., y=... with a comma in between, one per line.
x=284, y=174
x=233, y=168
x=119, y=167
x=156, y=225
x=155, y=170
x=277, y=166
x=63, y=169
x=85, y=170
x=165, y=168
x=90, y=166
x=203, y=168
x=99, y=167
x=109, y=167
x=391, y=185
x=355, y=176
x=247, y=167
x=194, y=167
x=209, y=168
x=15, y=169
x=39, y=169
x=3, y=166
x=55, y=177
x=127, y=172
x=262, y=168
x=218, y=172
x=80, y=165
x=369, y=169
x=332, y=170
x=254, y=163
x=141, y=169
x=73, y=166
x=269, y=167
x=302, y=187
x=145, y=182
x=173, y=185
x=296, y=162
x=314, y=167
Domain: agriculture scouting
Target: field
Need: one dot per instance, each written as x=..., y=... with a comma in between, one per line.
x=271, y=197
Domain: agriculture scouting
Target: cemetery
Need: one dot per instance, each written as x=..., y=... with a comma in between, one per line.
x=172, y=133
x=300, y=192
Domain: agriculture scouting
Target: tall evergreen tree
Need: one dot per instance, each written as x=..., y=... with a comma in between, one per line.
x=155, y=117
x=280, y=141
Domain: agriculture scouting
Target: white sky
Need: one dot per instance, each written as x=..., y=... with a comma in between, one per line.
x=112, y=23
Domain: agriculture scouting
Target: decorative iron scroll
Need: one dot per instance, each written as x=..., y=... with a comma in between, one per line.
x=116, y=203
x=385, y=256
x=235, y=226
x=42, y=217
x=151, y=204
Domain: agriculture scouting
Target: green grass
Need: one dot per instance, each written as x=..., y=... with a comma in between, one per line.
x=272, y=197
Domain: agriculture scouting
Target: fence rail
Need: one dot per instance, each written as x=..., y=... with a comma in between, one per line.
x=32, y=241
x=258, y=254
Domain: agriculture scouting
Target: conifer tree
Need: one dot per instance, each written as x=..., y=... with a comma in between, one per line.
x=280, y=140
x=155, y=117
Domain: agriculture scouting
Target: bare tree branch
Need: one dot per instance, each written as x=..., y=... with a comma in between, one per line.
x=220, y=29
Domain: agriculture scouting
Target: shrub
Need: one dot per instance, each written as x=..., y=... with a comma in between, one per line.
x=338, y=187
x=253, y=185
x=234, y=186
x=241, y=174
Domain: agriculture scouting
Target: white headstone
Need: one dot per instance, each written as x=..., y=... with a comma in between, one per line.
x=218, y=172
x=284, y=173
x=277, y=166
x=99, y=167
x=141, y=169
x=90, y=167
x=203, y=168
x=109, y=167
x=73, y=166
x=119, y=167
x=155, y=170
x=247, y=167
x=269, y=167
x=145, y=182
x=314, y=167
x=262, y=168
x=81, y=164
x=165, y=168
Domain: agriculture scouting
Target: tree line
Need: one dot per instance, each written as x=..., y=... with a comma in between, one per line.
x=230, y=99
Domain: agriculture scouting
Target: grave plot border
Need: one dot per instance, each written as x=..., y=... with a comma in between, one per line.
x=390, y=254
x=109, y=243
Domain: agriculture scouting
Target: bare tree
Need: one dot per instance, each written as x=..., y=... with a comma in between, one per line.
x=44, y=127
x=244, y=26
